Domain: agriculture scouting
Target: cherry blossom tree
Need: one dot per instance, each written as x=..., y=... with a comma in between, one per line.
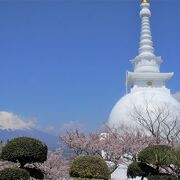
x=55, y=167
x=82, y=143
x=125, y=144
x=112, y=145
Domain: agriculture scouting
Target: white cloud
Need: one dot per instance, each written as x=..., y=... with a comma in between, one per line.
x=177, y=96
x=73, y=124
x=9, y=120
x=49, y=129
x=69, y=124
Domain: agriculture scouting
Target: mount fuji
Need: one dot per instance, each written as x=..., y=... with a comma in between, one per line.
x=12, y=126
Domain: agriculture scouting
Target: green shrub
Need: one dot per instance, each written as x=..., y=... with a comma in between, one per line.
x=140, y=169
x=157, y=155
x=134, y=170
x=35, y=173
x=89, y=167
x=177, y=157
x=162, y=177
x=24, y=150
x=14, y=174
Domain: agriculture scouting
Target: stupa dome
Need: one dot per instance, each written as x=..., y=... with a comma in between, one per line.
x=152, y=98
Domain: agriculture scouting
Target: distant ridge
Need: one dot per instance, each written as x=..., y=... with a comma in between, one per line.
x=50, y=140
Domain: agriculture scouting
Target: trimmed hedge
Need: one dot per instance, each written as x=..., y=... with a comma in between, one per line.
x=14, y=174
x=89, y=167
x=134, y=170
x=177, y=157
x=24, y=150
x=163, y=177
x=157, y=155
x=35, y=173
x=140, y=169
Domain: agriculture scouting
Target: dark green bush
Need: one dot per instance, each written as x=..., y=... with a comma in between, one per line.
x=14, y=174
x=140, y=169
x=148, y=169
x=157, y=155
x=177, y=157
x=151, y=159
x=35, y=173
x=162, y=177
x=24, y=150
x=89, y=167
x=134, y=170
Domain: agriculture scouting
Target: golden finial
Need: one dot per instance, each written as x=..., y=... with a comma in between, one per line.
x=145, y=1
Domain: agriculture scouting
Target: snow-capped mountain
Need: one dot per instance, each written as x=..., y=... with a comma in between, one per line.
x=12, y=126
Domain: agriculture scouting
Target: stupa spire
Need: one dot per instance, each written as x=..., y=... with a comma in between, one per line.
x=145, y=1
x=146, y=44
x=146, y=63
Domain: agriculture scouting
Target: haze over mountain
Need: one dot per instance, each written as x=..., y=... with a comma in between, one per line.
x=12, y=126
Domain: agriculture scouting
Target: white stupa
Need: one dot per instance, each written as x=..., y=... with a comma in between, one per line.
x=147, y=84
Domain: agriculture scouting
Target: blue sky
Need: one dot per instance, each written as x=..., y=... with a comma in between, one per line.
x=63, y=62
